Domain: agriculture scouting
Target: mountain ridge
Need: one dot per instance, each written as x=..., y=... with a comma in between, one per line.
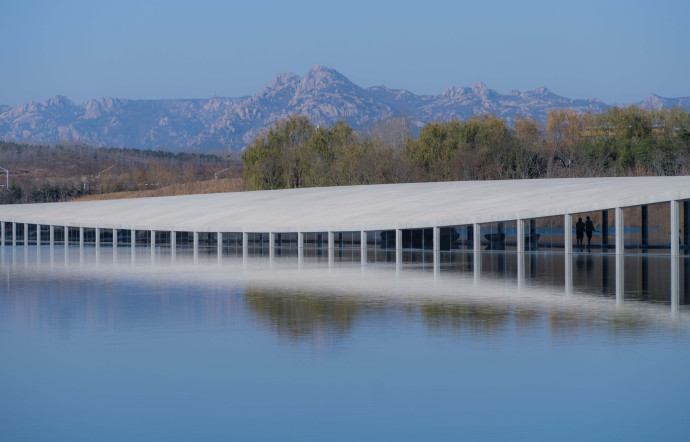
x=323, y=95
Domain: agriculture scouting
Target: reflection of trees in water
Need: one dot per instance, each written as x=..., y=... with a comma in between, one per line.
x=469, y=317
x=299, y=315
x=573, y=323
x=562, y=322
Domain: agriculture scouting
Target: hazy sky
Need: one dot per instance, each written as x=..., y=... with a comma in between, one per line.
x=618, y=51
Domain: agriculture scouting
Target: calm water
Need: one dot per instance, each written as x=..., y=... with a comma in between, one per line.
x=132, y=347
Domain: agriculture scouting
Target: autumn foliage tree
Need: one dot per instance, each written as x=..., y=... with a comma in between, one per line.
x=618, y=142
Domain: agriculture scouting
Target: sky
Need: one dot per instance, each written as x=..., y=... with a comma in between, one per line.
x=618, y=51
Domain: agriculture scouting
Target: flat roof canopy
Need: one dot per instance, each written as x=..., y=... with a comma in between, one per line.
x=354, y=208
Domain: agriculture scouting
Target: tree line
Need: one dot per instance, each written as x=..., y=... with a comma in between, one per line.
x=627, y=141
x=66, y=172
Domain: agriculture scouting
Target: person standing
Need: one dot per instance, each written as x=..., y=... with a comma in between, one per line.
x=579, y=231
x=589, y=230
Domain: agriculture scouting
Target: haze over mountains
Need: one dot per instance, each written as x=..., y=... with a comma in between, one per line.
x=323, y=95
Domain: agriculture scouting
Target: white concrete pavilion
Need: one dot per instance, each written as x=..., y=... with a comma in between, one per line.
x=362, y=209
x=394, y=212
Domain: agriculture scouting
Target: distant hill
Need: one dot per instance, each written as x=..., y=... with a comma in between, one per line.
x=323, y=95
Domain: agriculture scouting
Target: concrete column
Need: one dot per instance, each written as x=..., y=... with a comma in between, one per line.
x=476, y=246
x=568, y=232
x=152, y=242
x=271, y=245
x=14, y=234
x=51, y=235
x=675, y=228
x=26, y=234
x=38, y=234
x=173, y=246
x=331, y=240
x=363, y=247
x=133, y=238
x=114, y=238
x=398, y=239
x=437, y=239
x=477, y=237
x=620, y=236
x=520, y=236
x=2, y=233
x=245, y=244
x=477, y=265
x=300, y=247
x=65, y=232
x=98, y=237
x=219, y=243
x=81, y=237
x=195, y=237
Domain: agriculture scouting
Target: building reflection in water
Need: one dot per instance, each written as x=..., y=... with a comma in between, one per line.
x=93, y=290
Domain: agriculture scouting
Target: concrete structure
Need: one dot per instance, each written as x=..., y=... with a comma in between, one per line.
x=360, y=209
x=391, y=215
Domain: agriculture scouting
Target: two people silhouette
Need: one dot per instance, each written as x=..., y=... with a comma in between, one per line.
x=582, y=228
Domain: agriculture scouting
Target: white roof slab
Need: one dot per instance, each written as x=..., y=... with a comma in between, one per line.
x=354, y=208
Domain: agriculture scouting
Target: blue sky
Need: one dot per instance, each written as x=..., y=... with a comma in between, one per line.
x=618, y=51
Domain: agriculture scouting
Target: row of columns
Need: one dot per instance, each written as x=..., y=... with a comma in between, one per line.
x=568, y=244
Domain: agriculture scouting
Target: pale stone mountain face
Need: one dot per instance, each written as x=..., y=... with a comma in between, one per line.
x=323, y=95
x=656, y=102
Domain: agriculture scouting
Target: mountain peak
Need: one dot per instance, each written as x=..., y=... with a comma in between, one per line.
x=482, y=90
x=318, y=68
x=283, y=79
x=322, y=72
x=59, y=101
x=320, y=77
x=653, y=101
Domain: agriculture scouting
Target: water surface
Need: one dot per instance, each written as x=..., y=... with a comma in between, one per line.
x=121, y=346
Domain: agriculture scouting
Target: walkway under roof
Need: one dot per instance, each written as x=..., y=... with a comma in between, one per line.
x=356, y=208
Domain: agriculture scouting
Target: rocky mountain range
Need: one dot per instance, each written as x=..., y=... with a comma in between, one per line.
x=323, y=95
